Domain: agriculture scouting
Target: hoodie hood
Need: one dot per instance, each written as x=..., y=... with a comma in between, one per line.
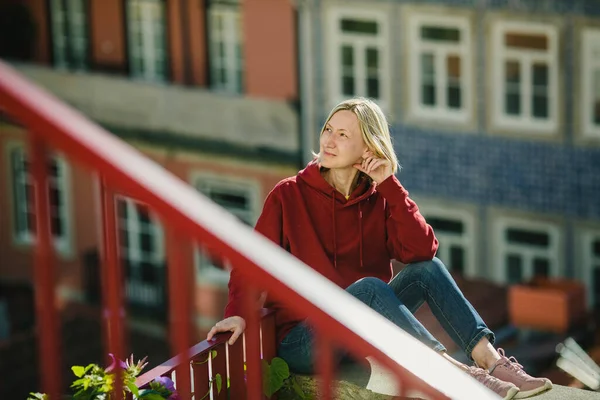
x=311, y=175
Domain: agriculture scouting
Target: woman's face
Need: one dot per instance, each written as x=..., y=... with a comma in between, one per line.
x=341, y=144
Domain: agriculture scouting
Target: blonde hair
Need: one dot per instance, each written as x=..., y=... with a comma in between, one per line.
x=373, y=127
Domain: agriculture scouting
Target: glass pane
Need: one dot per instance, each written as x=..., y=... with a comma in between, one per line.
x=123, y=238
x=440, y=34
x=540, y=75
x=143, y=214
x=457, y=259
x=454, y=97
x=446, y=225
x=453, y=67
x=358, y=26
x=56, y=226
x=514, y=268
x=596, y=247
x=526, y=237
x=230, y=200
x=122, y=209
x=513, y=72
x=540, y=106
x=30, y=218
x=596, y=286
x=596, y=98
x=348, y=86
x=373, y=88
x=347, y=56
x=427, y=79
x=149, y=272
x=512, y=96
x=526, y=41
x=541, y=267
x=372, y=56
x=146, y=242
x=55, y=201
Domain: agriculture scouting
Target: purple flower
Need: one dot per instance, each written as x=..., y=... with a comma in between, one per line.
x=166, y=382
x=115, y=363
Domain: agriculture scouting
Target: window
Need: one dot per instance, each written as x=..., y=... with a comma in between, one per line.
x=24, y=216
x=591, y=266
x=239, y=198
x=440, y=67
x=590, y=81
x=142, y=251
x=69, y=33
x=527, y=249
x=358, y=55
x=147, y=39
x=455, y=231
x=525, y=77
x=226, y=59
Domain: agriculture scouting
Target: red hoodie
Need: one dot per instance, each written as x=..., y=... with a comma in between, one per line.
x=344, y=240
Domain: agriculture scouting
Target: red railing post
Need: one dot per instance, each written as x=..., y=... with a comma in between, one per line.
x=180, y=307
x=252, y=341
x=112, y=283
x=48, y=319
x=324, y=364
x=236, y=369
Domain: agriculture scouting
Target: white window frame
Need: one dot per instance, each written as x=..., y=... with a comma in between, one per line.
x=206, y=272
x=503, y=248
x=69, y=35
x=231, y=36
x=526, y=58
x=360, y=42
x=135, y=290
x=441, y=50
x=63, y=243
x=143, y=49
x=589, y=260
x=590, y=40
x=467, y=241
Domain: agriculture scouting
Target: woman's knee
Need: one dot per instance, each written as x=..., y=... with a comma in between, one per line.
x=367, y=285
x=433, y=268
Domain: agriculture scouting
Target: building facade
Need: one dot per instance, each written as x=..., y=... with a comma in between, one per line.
x=495, y=114
x=205, y=88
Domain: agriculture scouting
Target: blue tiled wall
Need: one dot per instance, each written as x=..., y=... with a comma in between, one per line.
x=559, y=178
x=488, y=170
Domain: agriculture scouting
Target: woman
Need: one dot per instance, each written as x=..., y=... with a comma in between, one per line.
x=347, y=216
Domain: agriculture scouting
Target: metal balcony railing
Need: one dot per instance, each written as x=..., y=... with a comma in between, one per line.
x=191, y=218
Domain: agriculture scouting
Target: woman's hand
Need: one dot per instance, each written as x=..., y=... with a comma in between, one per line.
x=379, y=169
x=231, y=324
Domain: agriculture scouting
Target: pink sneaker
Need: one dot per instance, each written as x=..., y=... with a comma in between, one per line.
x=506, y=390
x=509, y=370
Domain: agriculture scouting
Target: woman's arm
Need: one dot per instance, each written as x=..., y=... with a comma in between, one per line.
x=269, y=224
x=410, y=238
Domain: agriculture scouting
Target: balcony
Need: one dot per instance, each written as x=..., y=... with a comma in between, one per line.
x=155, y=109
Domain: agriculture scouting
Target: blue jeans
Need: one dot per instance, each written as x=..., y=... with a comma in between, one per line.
x=397, y=301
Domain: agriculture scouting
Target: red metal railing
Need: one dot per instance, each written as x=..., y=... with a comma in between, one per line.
x=337, y=316
x=226, y=361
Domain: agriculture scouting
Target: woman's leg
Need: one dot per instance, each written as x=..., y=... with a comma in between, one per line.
x=430, y=281
x=296, y=348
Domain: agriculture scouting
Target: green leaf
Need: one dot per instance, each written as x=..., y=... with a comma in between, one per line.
x=152, y=396
x=297, y=388
x=219, y=383
x=274, y=375
x=78, y=370
x=213, y=354
x=134, y=389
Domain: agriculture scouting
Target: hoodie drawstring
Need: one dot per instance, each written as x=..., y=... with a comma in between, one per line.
x=334, y=230
x=360, y=234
